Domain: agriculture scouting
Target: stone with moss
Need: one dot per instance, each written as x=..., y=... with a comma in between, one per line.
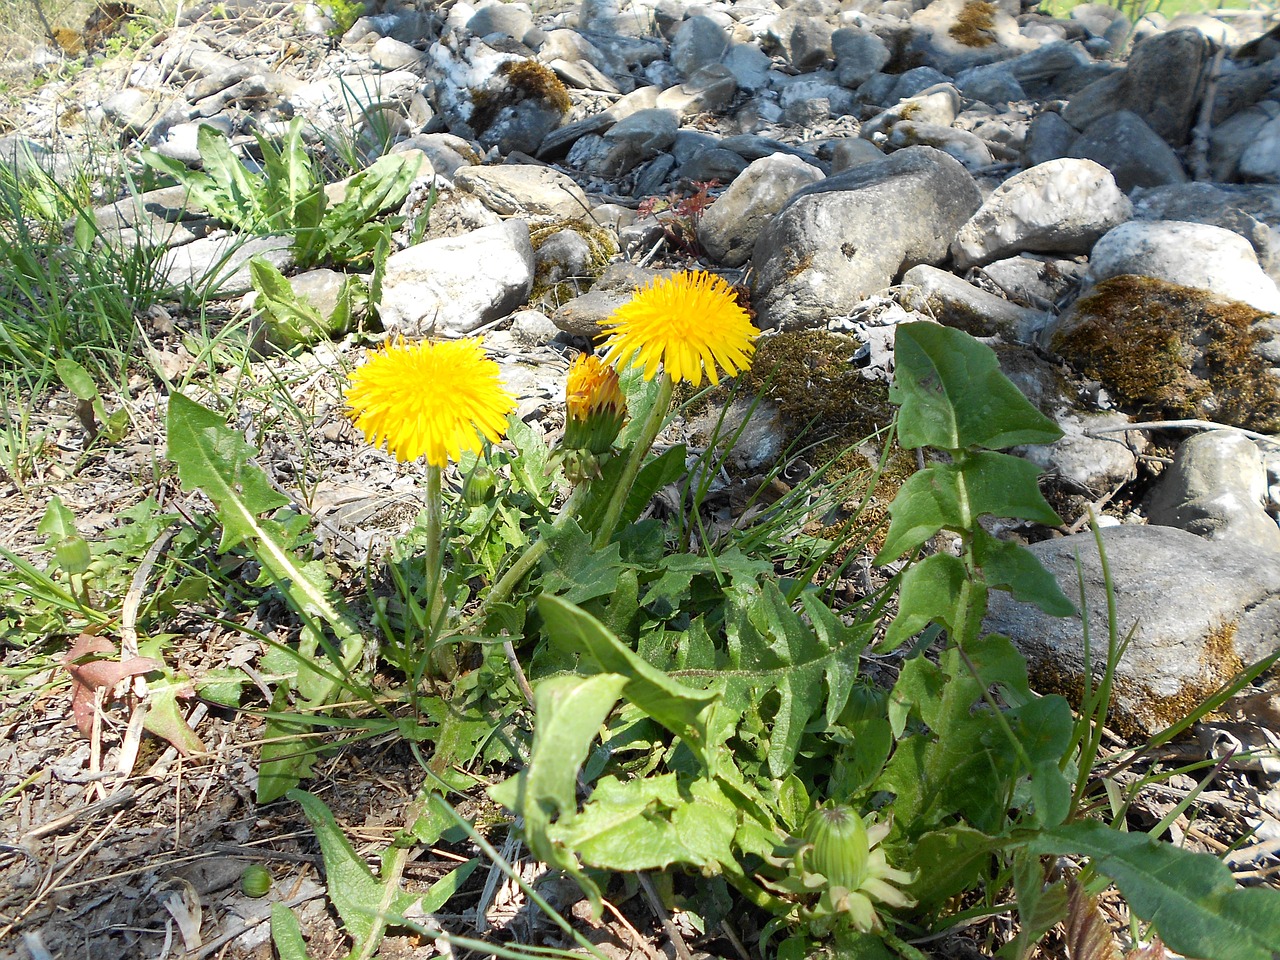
x=1169, y=351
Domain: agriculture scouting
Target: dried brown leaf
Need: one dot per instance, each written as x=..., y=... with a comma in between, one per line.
x=87, y=662
x=1088, y=935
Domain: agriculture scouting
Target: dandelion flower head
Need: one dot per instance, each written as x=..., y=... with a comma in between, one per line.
x=432, y=399
x=691, y=323
x=592, y=386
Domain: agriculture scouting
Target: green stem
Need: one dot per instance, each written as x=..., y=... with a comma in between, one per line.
x=644, y=442
x=533, y=553
x=439, y=661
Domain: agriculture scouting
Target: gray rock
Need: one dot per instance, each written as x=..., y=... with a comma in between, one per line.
x=850, y=152
x=728, y=230
x=837, y=242
x=1063, y=206
x=631, y=141
x=581, y=75
x=526, y=190
x=915, y=82
x=1082, y=462
x=1162, y=85
x=582, y=316
x=1039, y=282
x=714, y=164
x=508, y=19
x=698, y=42
x=966, y=147
x=749, y=65
x=708, y=90
x=956, y=303
x=939, y=105
x=131, y=111
x=565, y=255
x=1215, y=489
x=391, y=54
x=953, y=35
x=1048, y=138
x=219, y=266
x=1131, y=150
x=811, y=43
x=1041, y=72
x=991, y=83
x=157, y=218
x=1192, y=254
x=1261, y=159
x=1222, y=206
x=859, y=54
x=1230, y=140
x=451, y=286
x=533, y=328
x=1198, y=608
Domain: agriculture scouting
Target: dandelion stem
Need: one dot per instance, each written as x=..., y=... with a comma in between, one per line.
x=644, y=442
x=532, y=553
x=434, y=561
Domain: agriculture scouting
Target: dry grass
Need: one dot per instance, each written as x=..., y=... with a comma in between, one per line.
x=26, y=24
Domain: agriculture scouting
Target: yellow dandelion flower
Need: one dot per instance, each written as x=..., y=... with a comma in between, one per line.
x=690, y=323
x=432, y=399
x=595, y=405
x=592, y=386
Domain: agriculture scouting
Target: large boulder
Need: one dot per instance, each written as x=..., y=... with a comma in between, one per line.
x=1198, y=610
x=844, y=238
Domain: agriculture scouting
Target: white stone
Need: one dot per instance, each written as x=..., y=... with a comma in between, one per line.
x=1063, y=206
x=1192, y=254
x=451, y=286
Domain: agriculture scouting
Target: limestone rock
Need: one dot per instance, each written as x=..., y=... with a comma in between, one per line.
x=1133, y=152
x=842, y=239
x=728, y=230
x=530, y=191
x=1215, y=489
x=451, y=286
x=1198, y=609
x=956, y=303
x=1063, y=206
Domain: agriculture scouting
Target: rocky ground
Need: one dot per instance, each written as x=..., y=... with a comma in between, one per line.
x=1098, y=199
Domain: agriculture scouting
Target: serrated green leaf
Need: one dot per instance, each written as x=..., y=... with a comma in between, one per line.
x=228, y=191
x=569, y=711
x=353, y=890
x=953, y=395
x=949, y=860
x=1190, y=898
x=653, y=476
x=933, y=591
x=953, y=496
x=572, y=569
x=1012, y=567
x=679, y=708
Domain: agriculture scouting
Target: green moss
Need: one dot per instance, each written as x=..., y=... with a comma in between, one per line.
x=975, y=24
x=830, y=414
x=600, y=242
x=1173, y=351
x=519, y=80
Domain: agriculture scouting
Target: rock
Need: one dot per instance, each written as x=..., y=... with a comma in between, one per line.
x=451, y=286
x=728, y=230
x=564, y=255
x=749, y=65
x=954, y=35
x=1172, y=351
x=953, y=302
x=699, y=42
x=508, y=19
x=446, y=153
x=629, y=142
x=1046, y=71
x=811, y=43
x=1198, y=610
x=528, y=191
x=1220, y=205
x=219, y=266
x=991, y=83
x=834, y=243
x=938, y=106
x=582, y=316
x=1161, y=85
x=1131, y=150
x=708, y=90
x=1048, y=138
x=715, y=164
x=1232, y=139
x=157, y=218
x=850, y=152
x=1215, y=489
x=1261, y=159
x=1039, y=282
x=1192, y=254
x=131, y=111
x=390, y=54
x=859, y=54
x=966, y=147
x=533, y=328
x=1063, y=206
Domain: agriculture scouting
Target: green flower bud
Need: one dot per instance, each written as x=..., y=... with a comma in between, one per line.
x=255, y=880
x=840, y=845
x=478, y=487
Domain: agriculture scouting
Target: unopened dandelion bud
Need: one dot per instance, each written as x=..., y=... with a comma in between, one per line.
x=840, y=845
x=594, y=406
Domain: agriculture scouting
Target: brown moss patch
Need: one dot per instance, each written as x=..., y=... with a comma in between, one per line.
x=1167, y=350
x=519, y=80
x=975, y=24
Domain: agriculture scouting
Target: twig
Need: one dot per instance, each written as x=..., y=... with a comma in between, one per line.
x=521, y=680
x=1184, y=425
x=682, y=949
x=133, y=599
x=1198, y=154
x=116, y=799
